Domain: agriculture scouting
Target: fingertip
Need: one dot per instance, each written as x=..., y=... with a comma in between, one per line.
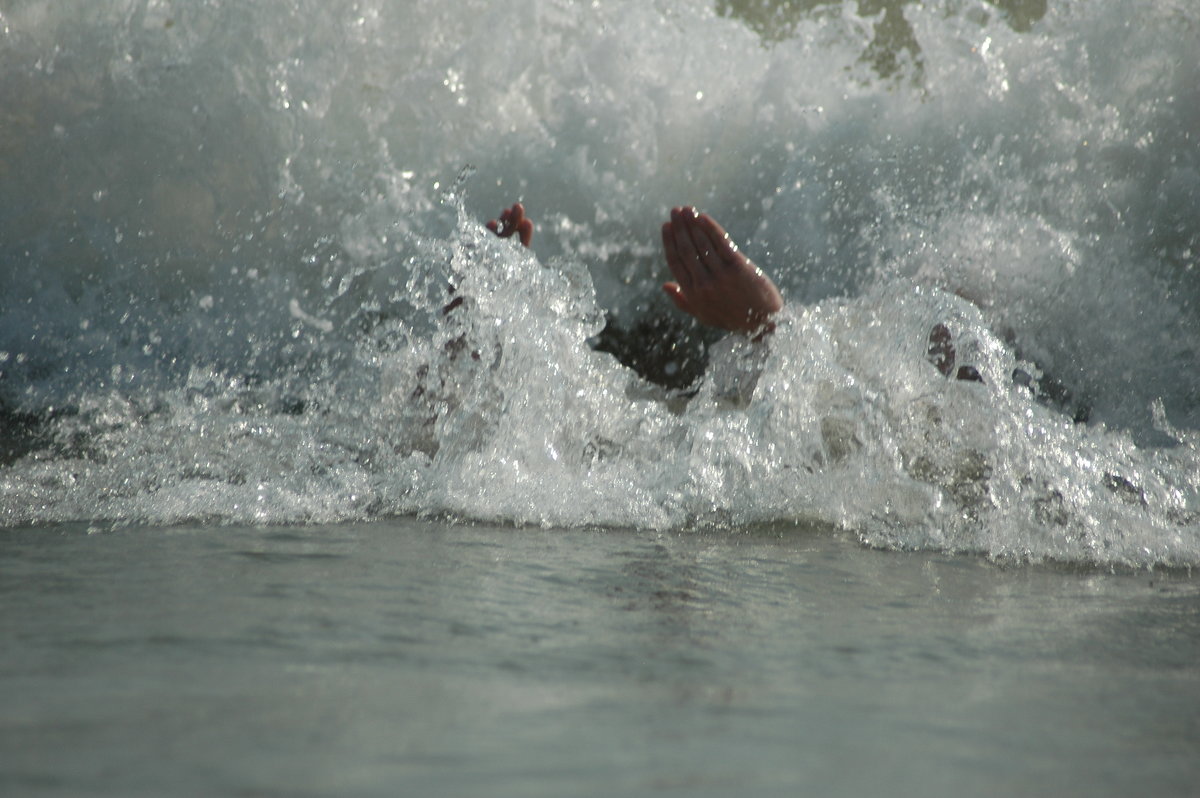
x=712, y=227
x=719, y=236
x=673, y=291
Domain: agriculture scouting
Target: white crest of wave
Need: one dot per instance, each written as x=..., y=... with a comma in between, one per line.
x=225, y=251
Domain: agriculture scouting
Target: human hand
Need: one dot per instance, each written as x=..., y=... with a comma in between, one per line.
x=713, y=280
x=513, y=220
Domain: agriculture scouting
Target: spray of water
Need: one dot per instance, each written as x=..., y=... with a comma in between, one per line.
x=228, y=232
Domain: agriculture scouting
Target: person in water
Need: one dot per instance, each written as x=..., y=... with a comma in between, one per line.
x=714, y=281
x=718, y=285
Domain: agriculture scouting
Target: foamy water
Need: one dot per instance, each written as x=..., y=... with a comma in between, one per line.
x=227, y=233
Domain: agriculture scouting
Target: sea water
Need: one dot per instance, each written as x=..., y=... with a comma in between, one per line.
x=419, y=658
x=227, y=235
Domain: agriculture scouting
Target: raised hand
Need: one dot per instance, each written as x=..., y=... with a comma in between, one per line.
x=513, y=220
x=713, y=280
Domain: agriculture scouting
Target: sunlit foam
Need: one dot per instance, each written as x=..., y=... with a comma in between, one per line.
x=228, y=233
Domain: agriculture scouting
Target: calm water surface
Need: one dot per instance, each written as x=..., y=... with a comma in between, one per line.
x=420, y=658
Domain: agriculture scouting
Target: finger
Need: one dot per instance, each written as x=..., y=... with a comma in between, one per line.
x=525, y=231
x=512, y=217
x=680, y=223
x=677, y=296
x=494, y=226
x=503, y=227
x=723, y=245
x=674, y=262
x=706, y=248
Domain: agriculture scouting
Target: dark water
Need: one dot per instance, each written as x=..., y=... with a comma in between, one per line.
x=407, y=658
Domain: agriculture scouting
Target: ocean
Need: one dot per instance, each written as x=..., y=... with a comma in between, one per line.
x=422, y=658
x=309, y=484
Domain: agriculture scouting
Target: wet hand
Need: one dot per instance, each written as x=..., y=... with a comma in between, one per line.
x=713, y=280
x=513, y=220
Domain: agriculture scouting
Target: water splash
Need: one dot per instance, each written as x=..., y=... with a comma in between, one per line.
x=227, y=246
